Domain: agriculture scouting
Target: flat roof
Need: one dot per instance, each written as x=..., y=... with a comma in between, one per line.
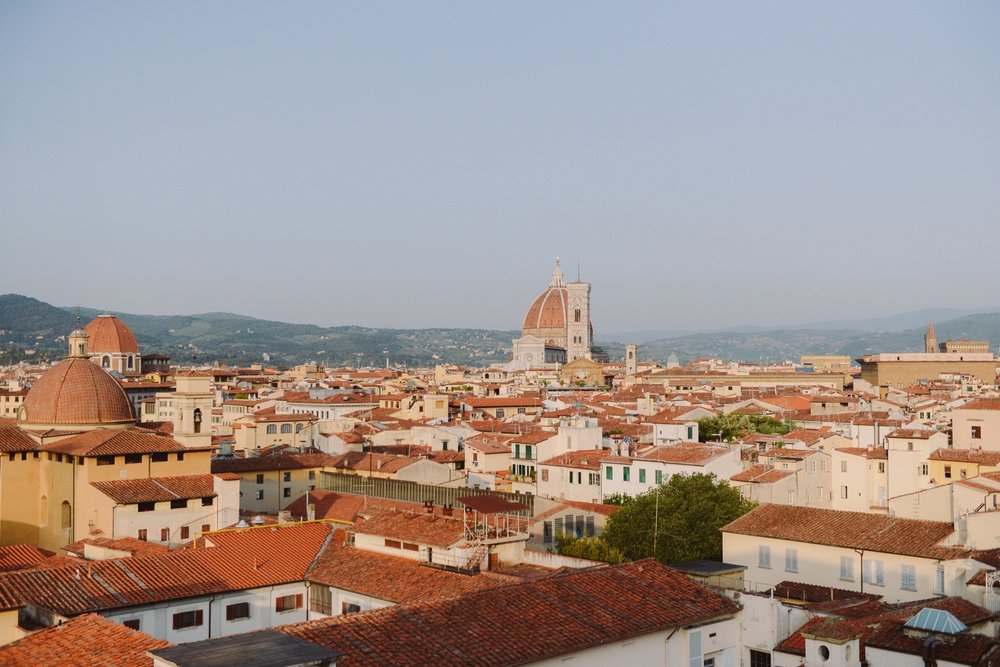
x=268, y=648
x=706, y=567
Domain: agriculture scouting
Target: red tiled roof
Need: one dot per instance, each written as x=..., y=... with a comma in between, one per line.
x=227, y=561
x=392, y=578
x=107, y=333
x=687, y=453
x=550, y=617
x=911, y=433
x=414, y=527
x=761, y=474
x=982, y=404
x=281, y=461
x=21, y=556
x=136, y=547
x=13, y=439
x=155, y=489
x=866, y=452
x=87, y=641
x=503, y=402
x=853, y=530
x=76, y=391
x=589, y=459
x=982, y=457
x=107, y=442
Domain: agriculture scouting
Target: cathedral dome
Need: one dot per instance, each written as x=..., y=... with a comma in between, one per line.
x=549, y=310
x=76, y=392
x=109, y=334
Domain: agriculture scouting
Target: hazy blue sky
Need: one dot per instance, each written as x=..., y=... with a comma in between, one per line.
x=417, y=164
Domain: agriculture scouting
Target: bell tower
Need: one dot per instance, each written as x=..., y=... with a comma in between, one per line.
x=930, y=340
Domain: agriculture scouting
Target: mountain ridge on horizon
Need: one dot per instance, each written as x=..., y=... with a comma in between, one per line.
x=26, y=322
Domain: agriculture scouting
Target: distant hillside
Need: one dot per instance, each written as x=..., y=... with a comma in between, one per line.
x=31, y=325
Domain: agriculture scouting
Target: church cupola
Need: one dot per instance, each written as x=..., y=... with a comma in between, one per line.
x=78, y=343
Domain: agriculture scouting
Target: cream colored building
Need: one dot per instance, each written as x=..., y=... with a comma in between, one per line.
x=976, y=425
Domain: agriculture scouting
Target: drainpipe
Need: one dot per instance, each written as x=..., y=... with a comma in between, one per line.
x=861, y=553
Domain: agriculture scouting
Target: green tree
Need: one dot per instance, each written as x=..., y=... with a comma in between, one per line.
x=731, y=427
x=687, y=511
x=591, y=548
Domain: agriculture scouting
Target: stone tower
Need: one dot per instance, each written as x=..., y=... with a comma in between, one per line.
x=930, y=340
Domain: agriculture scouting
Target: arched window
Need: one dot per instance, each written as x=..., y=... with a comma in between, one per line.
x=105, y=361
x=298, y=427
x=131, y=362
x=197, y=418
x=67, y=514
x=286, y=428
x=271, y=429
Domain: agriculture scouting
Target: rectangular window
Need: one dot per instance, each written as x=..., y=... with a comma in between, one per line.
x=287, y=477
x=164, y=534
x=791, y=560
x=158, y=457
x=694, y=649
x=312, y=475
x=105, y=460
x=545, y=474
x=392, y=544
x=559, y=525
x=185, y=532
x=321, y=600
x=843, y=466
x=847, y=568
x=147, y=507
x=659, y=477
x=759, y=658
x=873, y=572
x=822, y=465
x=287, y=492
x=178, y=504
x=142, y=534
x=908, y=577
x=812, y=466
x=594, y=479
x=527, y=452
x=881, y=466
x=939, y=580
x=546, y=532
x=517, y=451
x=764, y=556
x=260, y=478
x=349, y=608
x=500, y=413
x=133, y=623
x=977, y=432
x=180, y=456
x=947, y=472
x=924, y=469
x=642, y=475
x=288, y=602
x=207, y=501
x=843, y=492
x=590, y=527
x=133, y=458
x=260, y=494
x=205, y=527
x=609, y=473
x=626, y=472
x=188, y=619
x=238, y=611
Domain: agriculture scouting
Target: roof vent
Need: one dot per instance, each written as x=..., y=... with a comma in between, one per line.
x=243, y=524
x=258, y=520
x=936, y=620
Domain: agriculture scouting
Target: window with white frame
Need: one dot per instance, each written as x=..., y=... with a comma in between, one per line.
x=791, y=560
x=908, y=577
x=873, y=572
x=843, y=466
x=764, y=555
x=939, y=580
x=847, y=568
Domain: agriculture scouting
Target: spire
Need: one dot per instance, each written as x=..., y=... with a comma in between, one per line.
x=557, y=276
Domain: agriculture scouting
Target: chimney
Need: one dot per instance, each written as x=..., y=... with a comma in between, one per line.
x=429, y=506
x=447, y=510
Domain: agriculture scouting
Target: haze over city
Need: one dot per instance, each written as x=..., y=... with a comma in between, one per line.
x=705, y=165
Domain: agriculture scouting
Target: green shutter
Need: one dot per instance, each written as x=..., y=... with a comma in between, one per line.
x=609, y=473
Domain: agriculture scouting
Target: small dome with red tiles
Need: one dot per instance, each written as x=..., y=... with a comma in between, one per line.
x=76, y=392
x=109, y=334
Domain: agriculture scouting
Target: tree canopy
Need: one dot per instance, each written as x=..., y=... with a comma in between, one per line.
x=732, y=426
x=591, y=548
x=688, y=512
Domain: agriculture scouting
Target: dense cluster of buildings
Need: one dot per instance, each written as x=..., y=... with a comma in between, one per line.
x=155, y=516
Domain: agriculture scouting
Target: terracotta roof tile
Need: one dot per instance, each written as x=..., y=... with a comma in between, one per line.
x=107, y=442
x=87, y=641
x=550, y=617
x=76, y=391
x=156, y=489
x=854, y=530
x=107, y=333
x=413, y=527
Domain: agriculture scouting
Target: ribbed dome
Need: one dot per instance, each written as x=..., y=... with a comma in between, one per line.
x=548, y=311
x=109, y=334
x=76, y=391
